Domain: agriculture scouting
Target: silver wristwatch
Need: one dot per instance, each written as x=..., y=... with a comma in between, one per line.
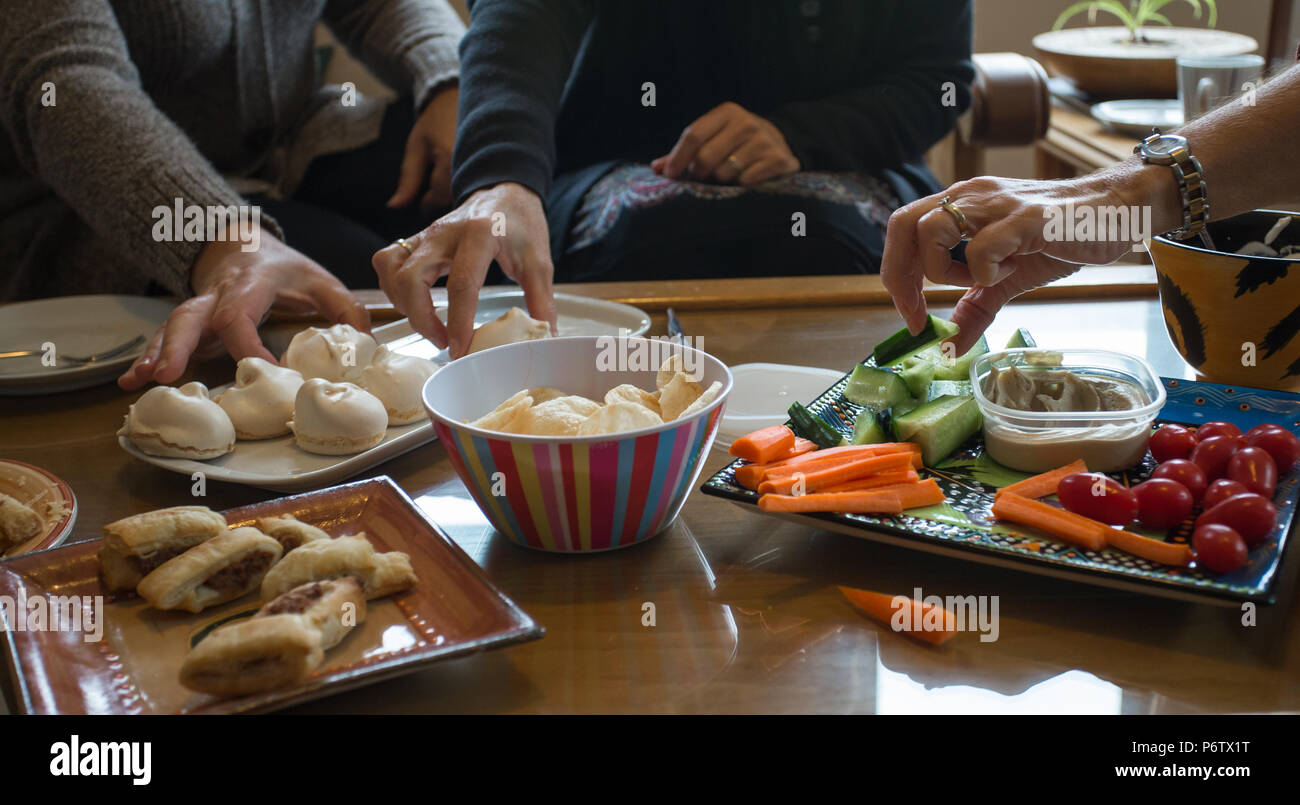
x=1172, y=151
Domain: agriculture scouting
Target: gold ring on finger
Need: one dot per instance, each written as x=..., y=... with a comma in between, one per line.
x=957, y=215
x=736, y=164
x=402, y=242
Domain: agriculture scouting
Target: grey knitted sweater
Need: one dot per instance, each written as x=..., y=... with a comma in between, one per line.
x=111, y=108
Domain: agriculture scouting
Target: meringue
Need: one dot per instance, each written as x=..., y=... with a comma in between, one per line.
x=260, y=404
x=398, y=381
x=334, y=353
x=335, y=419
x=179, y=423
x=513, y=325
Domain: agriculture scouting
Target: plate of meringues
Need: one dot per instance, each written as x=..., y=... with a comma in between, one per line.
x=340, y=401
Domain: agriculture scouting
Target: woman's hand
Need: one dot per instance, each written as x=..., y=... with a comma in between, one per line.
x=757, y=149
x=428, y=153
x=1012, y=249
x=504, y=223
x=234, y=290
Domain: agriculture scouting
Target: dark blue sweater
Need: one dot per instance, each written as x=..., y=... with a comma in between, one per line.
x=552, y=91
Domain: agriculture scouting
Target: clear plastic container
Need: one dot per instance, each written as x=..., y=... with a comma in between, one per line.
x=1037, y=441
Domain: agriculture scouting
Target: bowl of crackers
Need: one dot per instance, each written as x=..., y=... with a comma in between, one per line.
x=579, y=444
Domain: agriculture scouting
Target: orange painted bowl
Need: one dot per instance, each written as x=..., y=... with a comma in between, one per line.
x=1233, y=317
x=574, y=494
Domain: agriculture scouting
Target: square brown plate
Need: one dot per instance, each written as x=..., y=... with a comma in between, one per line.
x=453, y=610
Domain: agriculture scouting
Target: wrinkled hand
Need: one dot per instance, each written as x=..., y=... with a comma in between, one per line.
x=428, y=154
x=234, y=290
x=505, y=223
x=1008, y=255
x=759, y=149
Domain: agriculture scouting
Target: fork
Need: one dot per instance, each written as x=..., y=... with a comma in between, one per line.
x=98, y=356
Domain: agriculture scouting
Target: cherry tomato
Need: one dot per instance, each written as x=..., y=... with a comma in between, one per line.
x=1184, y=472
x=1220, y=491
x=1219, y=548
x=1253, y=468
x=1280, y=443
x=1212, y=455
x=1162, y=503
x=1094, y=495
x=1216, y=429
x=1250, y=515
x=1171, y=441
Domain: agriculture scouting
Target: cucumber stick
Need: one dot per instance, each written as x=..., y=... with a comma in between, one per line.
x=940, y=426
x=872, y=427
x=878, y=389
x=917, y=374
x=1021, y=339
x=903, y=344
x=812, y=427
x=949, y=388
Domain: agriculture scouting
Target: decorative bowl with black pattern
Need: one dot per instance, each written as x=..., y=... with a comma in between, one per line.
x=1235, y=318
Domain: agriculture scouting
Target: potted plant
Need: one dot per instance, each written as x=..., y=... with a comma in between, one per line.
x=1134, y=59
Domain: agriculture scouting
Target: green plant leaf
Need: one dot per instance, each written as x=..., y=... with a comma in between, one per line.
x=1158, y=17
x=1092, y=7
x=1152, y=6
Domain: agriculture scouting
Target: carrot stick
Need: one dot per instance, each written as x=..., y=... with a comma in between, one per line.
x=868, y=502
x=907, y=476
x=823, y=459
x=751, y=475
x=764, y=445
x=801, y=446
x=926, y=622
x=916, y=495
x=819, y=476
x=1166, y=553
x=1066, y=526
x=1044, y=484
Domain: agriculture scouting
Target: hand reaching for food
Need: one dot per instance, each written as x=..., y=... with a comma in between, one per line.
x=234, y=290
x=504, y=223
x=1009, y=249
x=731, y=145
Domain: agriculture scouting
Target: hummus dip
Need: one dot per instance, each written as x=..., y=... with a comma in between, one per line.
x=1037, y=444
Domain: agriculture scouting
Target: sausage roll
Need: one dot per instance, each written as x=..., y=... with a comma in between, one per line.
x=219, y=570
x=333, y=607
x=18, y=522
x=253, y=655
x=134, y=546
x=289, y=531
x=380, y=574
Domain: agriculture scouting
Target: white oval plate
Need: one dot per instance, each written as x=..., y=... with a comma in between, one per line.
x=281, y=466
x=762, y=395
x=76, y=325
x=1138, y=117
x=575, y=315
x=49, y=495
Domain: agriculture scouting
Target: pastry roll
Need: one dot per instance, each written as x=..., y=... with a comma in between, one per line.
x=289, y=531
x=380, y=574
x=18, y=522
x=253, y=655
x=219, y=570
x=333, y=607
x=134, y=546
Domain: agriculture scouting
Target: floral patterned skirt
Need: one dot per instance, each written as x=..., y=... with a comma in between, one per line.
x=635, y=224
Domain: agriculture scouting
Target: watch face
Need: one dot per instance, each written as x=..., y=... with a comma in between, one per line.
x=1165, y=145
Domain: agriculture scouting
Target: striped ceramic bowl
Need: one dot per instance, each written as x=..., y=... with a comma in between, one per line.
x=574, y=494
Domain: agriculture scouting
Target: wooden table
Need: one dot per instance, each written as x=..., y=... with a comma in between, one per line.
x=748, y=618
